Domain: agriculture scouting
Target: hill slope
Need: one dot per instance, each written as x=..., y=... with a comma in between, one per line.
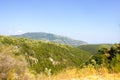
x=52, y=38
x=93, y=48
x=40, y=55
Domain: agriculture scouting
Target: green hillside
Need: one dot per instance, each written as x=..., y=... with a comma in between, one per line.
x=40, y=55
x=51, y=38
x=27, y=59
x=108, y=57
x=93, y=48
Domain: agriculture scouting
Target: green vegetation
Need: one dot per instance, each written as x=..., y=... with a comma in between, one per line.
x=108, y=57
x=93, y=48
x=27, y=59
x=51, y=38
x=41, y=55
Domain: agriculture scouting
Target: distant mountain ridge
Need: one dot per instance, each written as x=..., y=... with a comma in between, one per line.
x=51, y=38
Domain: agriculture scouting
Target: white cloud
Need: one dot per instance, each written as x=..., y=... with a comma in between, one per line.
x=19, y=32
x=11, y=32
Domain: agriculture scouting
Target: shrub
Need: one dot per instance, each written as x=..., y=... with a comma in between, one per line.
x=11, y=66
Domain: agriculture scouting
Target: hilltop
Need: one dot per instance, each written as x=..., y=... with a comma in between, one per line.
x=51, y=38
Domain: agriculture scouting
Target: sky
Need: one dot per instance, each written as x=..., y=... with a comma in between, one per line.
x=93, y=21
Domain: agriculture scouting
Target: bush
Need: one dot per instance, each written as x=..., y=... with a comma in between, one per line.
x=110, y=58
x=11, y=67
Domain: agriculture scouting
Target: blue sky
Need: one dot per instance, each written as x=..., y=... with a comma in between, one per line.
x=93, y=21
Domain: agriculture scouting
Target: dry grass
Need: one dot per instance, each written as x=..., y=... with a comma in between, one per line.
x=82, y=74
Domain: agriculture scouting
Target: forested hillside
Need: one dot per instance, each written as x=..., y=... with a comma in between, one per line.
x=26, y=59
x=38, y=56
x=93, y=48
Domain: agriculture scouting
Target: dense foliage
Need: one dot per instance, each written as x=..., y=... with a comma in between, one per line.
x=109, y=57
x=41, y=55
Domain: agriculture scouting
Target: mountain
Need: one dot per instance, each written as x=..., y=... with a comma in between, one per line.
x=51, y=38
x=39, y=55
x=93, y=48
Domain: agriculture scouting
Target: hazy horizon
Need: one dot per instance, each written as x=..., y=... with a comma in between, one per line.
x=93, y=21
